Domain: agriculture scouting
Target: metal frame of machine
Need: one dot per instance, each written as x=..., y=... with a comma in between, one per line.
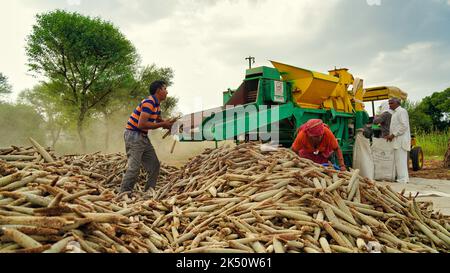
x=297, y=95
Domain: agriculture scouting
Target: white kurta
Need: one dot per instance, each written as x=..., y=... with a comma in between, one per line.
x=401, y=142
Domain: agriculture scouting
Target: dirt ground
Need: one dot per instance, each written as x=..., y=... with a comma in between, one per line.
x=432, y=169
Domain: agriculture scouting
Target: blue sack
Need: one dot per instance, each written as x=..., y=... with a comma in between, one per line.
x=335, y=166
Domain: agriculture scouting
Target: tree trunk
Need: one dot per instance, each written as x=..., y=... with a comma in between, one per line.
x=53, y=140
x=55, y=130
x=106, y=116
x=447, y=156
x=80, y=130
x=80, y=124
x=55, y=137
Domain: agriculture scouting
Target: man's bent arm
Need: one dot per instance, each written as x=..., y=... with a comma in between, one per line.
x=145, y=124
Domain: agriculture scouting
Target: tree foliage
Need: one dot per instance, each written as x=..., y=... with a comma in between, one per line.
x=51, y=107
x=20, y=121
x=5, y=87
x=437, y=107
x=148, y=74
x=431, y=113
x=80, y=52
x=127, y=94
x=145, y=77
x=168, y=107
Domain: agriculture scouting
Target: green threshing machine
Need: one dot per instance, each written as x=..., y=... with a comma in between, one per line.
x=277, y=101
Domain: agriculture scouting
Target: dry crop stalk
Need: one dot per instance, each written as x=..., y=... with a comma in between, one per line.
x=291, y=196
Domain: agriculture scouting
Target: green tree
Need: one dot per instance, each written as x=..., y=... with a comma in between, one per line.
x=52, y=108
x=5, y=87
x=116, y=101
x=127, y=94
x=80, y=51
x=168, y=107
x=20, y=121
x=437, y=106
x=145, y=77
x=418, y=120
x=431, y=113
x=148, y=74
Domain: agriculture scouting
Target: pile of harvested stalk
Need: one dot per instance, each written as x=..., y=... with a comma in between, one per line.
x=50, y=208
x=239, y=199
x=113, y=167
x=232, y=200
x=108, y=168
x=35, y=153
x=53, y=207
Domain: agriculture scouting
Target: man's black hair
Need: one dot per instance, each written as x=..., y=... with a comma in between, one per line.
x=154, y=86
x=396, y=100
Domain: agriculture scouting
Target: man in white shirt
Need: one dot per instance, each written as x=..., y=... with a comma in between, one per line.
x=400, y=135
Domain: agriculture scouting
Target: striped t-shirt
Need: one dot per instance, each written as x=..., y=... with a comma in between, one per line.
x=149, y=105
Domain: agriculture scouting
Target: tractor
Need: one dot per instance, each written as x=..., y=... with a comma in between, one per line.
x=415, y=157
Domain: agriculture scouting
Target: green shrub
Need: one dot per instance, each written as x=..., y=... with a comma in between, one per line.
x=433, y=143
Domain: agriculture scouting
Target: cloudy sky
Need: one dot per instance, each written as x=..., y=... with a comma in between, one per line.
x=405, y=43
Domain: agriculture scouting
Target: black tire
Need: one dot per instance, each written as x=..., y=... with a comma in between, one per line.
x=416, y=155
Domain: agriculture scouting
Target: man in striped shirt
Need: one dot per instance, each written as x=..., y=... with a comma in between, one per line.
x=140, y=151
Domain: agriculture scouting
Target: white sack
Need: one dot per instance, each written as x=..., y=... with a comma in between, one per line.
x=362, y=156
x=383, y=158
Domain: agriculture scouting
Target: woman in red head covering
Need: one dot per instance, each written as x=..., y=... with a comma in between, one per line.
x=316, y=142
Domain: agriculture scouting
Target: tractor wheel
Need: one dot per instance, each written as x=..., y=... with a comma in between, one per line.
x=416, y=155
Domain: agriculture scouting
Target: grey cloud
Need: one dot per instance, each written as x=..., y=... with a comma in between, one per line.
x=420, y=68
x=122, y=12
x=356, y=31
x=346, y=33
x=356, y=34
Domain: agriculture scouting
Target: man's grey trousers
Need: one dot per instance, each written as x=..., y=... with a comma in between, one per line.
x=140, y=151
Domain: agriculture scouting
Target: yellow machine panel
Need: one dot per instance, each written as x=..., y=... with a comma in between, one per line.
x=358, y=94
x=316, y=90
x=339, y=90
x=383, y=93
x=311, y=88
